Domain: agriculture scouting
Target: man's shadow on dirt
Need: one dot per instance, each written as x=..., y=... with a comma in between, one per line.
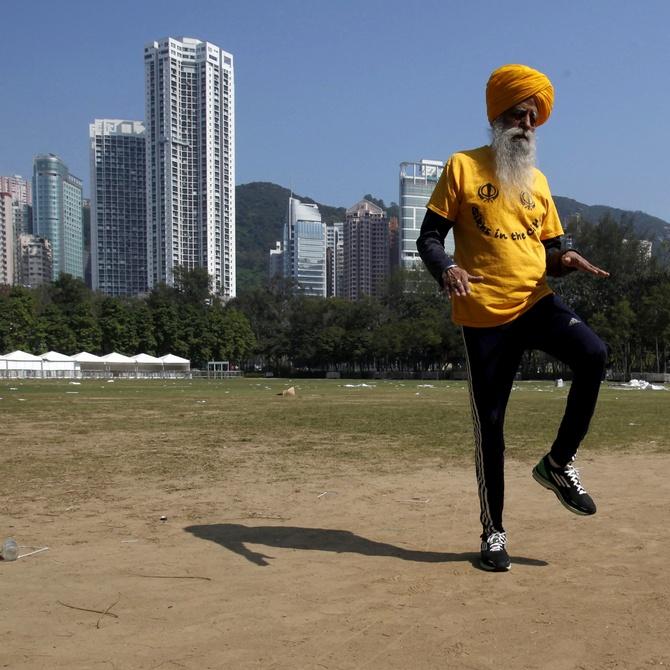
x=235, y=537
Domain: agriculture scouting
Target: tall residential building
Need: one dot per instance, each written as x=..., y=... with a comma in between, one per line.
x=57, y=214
x=190, y=136
x=417, y=181
x=22, y=201
x=305, y=247
x=118, y=207
x=18, y=187
x=366, y=250
x=334, y=259
x=7, y=239
x=34, y=264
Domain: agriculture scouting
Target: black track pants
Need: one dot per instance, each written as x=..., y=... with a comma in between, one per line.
x=493, y=357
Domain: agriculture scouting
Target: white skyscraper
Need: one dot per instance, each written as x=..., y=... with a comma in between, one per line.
x=190, y=136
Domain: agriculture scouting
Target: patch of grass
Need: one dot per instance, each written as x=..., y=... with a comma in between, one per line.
x=88, y=435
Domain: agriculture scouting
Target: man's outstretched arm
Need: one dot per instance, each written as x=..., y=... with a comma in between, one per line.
x=560, y=263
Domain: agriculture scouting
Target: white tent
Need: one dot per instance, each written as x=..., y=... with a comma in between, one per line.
x=175, y=364
x=52, y=364
x=85, y=357
x=59, y=365
x=55, y=357
x=20, y=364
x=148, y=366
x=146, y=359
x=119, y=365
x=89, y=364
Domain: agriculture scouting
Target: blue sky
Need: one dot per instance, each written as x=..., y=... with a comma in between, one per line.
x=332, y=95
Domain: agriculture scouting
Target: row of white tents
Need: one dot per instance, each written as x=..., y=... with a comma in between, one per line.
x=19, y=364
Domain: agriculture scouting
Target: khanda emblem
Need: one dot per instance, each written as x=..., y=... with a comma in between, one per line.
x=527, y=200
x=487, y=192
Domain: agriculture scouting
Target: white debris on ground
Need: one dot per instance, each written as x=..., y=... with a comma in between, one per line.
x=642, y=385
x=357, y=386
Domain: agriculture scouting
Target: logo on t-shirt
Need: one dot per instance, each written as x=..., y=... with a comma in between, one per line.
x=487, y=192
x=527, y=200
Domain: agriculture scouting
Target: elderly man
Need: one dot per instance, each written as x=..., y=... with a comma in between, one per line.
x=508, y=239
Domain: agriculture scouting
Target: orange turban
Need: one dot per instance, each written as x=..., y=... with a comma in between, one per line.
x=511, y=84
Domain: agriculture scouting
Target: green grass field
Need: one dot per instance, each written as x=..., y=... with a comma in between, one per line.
x=58, y=432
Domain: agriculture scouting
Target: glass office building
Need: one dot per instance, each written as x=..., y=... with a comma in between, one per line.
x=305, y=247
x=57, y=214
x=417, y=182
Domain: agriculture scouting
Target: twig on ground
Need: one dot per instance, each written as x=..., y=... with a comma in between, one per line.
x=86, y=609
x=207, y=579
x=97, y=625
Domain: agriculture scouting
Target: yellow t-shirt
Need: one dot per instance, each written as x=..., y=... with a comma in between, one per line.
x=497, y=237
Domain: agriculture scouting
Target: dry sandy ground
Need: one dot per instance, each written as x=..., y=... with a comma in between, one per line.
x=350, y=572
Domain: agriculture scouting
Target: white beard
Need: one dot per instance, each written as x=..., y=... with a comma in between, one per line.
x=514, y=158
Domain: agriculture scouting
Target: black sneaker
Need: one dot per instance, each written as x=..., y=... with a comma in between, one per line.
x=494, y=556
x=565, y=483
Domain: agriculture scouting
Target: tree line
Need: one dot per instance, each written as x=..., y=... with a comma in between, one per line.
x=276, y=328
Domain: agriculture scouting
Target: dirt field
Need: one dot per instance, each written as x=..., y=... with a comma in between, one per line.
x=349, y=570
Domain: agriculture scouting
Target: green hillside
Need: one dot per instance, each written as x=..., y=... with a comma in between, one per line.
x=647, y=227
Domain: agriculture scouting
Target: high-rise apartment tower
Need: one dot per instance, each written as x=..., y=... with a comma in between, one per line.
x=118, y=207
x=22, y=201
x=335, y=259
x=34, y=260
x=366, y=250
x=7, y=239
x=190, y=135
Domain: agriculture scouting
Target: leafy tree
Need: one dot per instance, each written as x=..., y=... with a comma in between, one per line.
x=142, y=324
x=55, y=331
x=231, y=337
x=18, y=322
x=69, y=294
x=193, y=286
x=117, y=326
x=615, y=326
x=654, y=320
x=75, y=302
x=166, y=322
